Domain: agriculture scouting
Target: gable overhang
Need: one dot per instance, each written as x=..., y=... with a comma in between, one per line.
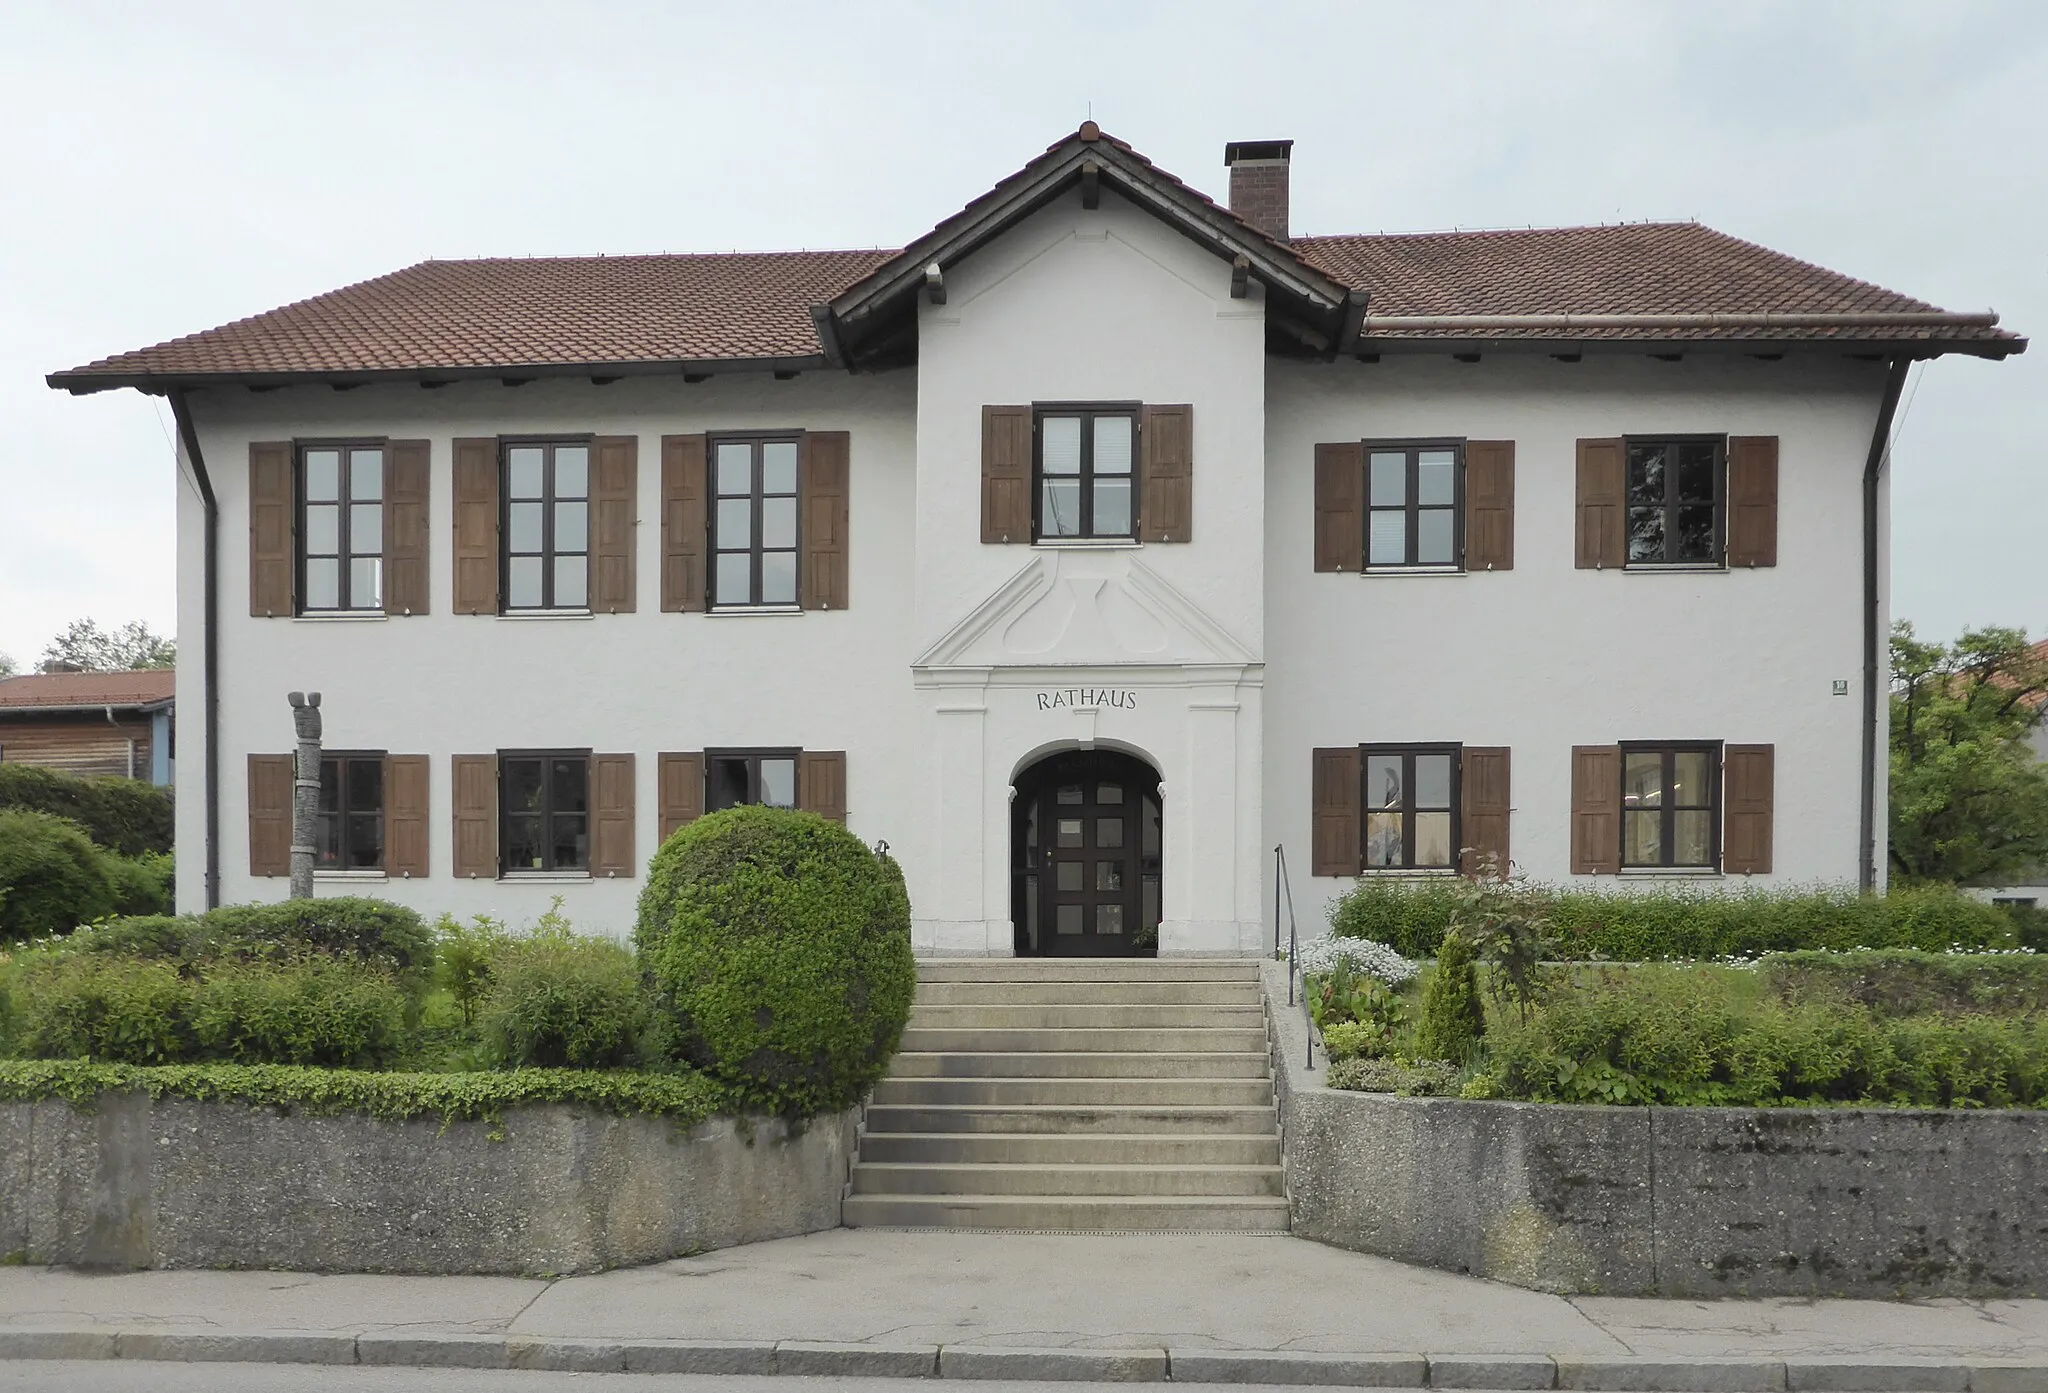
x=511, y=374
x=873, y=322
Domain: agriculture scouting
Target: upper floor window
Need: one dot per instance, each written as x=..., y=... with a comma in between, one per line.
x=1411, y=809
x=341, y=527
x=1085, y=468
x=754, y=521
x=351, y=823
x=744, y=778
x=544, y=817
x=1669, y=805
x=1413, y=513
x=1675, y=494
x=547, y=525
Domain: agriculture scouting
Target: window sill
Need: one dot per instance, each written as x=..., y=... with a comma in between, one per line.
x=525, y=614
x=1088, y=544
x=354, y=877
x=1670, y=873
x=729, y=611
x=1409, y=873
x=1414, y=571
x=544, y=878
x=1677, y=568
x=343, y=616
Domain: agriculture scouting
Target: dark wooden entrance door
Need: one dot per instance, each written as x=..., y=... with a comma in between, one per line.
x=1089, y=856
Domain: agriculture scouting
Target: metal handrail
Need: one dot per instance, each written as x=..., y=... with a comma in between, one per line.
x=1282, y=889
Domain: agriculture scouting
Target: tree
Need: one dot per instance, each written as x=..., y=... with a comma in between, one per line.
x=1969, y=793
x=89, y=648
x=6, y=666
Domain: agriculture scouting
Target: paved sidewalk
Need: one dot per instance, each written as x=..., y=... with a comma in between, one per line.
x=966, y=1291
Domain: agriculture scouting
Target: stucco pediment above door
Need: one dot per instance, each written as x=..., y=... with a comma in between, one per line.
x=1076, y=608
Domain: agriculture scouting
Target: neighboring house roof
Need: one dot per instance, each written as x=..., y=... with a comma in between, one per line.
x=496, y=316
x=60, y=691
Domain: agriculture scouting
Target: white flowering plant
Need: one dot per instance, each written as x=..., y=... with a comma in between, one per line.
x=1363, y=956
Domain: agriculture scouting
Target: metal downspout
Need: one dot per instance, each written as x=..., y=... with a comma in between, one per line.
x=1873, y=641
x=130, y=739
x=210, y=641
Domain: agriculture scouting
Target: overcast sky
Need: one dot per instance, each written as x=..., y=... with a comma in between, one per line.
x=168, y=167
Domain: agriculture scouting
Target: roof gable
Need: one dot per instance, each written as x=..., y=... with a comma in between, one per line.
x=44, y=691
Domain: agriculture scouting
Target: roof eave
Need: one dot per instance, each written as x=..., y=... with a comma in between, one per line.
x=84, y=382
x=1991, y=348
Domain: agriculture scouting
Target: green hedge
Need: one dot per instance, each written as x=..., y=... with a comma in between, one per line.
x=127, y=816
x=563, y=1000
x=115, y=1009
x=1648, y=926
x=1723, y=1036
x=779, y=946
x=365, y=930
x=397, y=1097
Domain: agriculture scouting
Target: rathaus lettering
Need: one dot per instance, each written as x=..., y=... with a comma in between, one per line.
x=1087, y=696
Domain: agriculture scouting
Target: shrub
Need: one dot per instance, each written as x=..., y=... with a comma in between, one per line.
x=1452, y=1018
x=127, y=816
x=370, y=931
x=89, y=1006
x=1906, y=981
x=1418, y=1079
x=1629, y=926
x=313, y=1011
x=780, y=947
x=1706, y=1035
x=462, y=958
x=140, y=884
x=1362, y=955
x=1355, y=1040
x=561, y=1000
x=52, y=878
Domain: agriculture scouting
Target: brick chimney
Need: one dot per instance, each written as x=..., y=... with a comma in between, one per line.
x=1258, y=183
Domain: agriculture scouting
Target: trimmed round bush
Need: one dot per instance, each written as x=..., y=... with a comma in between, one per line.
x=52, y=878
x=780, y=946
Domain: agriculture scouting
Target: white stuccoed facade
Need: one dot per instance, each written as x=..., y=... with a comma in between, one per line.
x=1221, y=662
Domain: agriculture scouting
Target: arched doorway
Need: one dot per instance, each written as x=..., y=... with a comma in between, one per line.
x=1085, y=856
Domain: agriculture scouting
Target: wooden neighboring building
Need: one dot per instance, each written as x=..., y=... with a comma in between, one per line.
x=118, y=723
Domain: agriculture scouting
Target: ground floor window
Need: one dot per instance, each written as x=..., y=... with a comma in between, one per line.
x=351, y=822
x=1670, y=797
x=749, y=778
x=1411, y=806
x=544, y=802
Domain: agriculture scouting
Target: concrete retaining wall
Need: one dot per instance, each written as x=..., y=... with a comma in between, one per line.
x=1668, y=1201
x=172, y=1183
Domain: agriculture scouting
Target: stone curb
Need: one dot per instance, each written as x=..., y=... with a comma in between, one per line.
x=1573, y=1373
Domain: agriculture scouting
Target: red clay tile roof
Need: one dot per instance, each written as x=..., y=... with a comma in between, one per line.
x=1638, y=268
x=577, y=312
x=503, y=313
x=53, y=689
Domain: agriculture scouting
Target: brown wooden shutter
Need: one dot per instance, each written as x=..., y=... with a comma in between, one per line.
x=1006, y=474
x=405, y=815
x=679, y=790
x=614, y=500
x=270, y=814
x=1333, y=822
x=1483, y=806
x=612, y=852
x=1596, y=809
x=1753, y=500
x=1166, y=436
x=821, y=783
x=474, y=793
x=272, y=499
x=824, y=480
x=476, y=527
x=406, y=533
x=1602, y=510
x=1748, y=802
x=1489, y=505
x=1340, y=507
x=685, y=522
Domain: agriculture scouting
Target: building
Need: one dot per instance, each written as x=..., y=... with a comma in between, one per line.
x=118, y=723
x=1086, y=550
